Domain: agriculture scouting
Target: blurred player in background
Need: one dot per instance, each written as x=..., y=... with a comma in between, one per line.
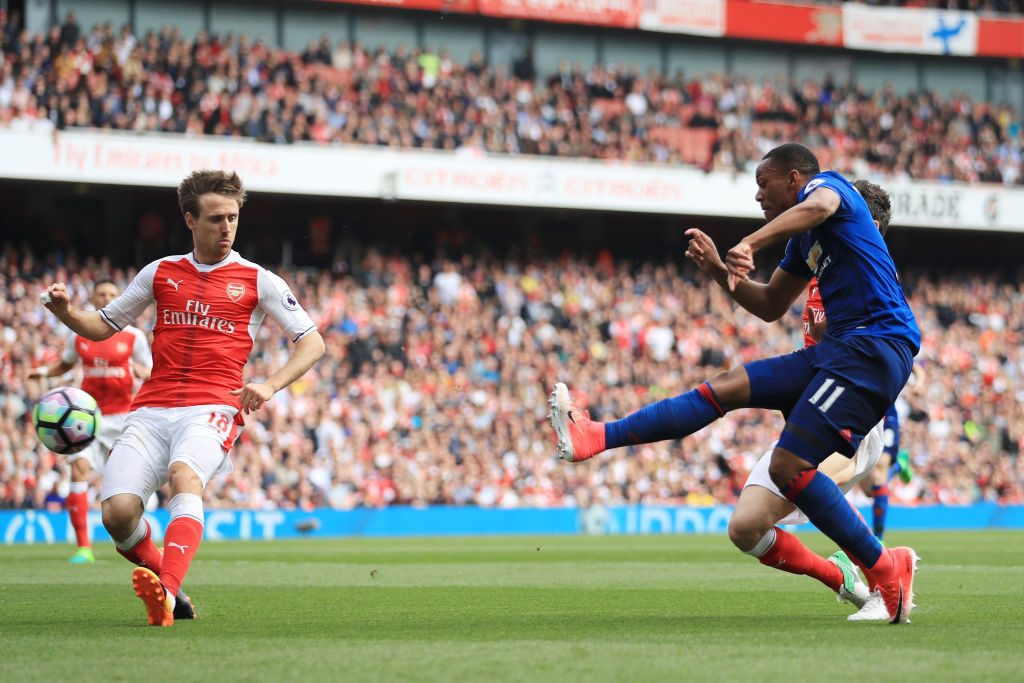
x=832, y=393
x=209, y=306
x=893, y=461
x=107, y=368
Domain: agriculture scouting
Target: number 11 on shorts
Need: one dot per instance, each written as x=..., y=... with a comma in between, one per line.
x=827, y=403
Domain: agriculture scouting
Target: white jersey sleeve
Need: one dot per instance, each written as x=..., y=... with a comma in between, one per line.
x=141, y=355
x=123, y=310
x=70, y=354
x=277, y=301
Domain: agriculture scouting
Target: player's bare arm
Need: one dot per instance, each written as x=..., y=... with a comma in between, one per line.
x=768, y=301
x=308, y=350
x=55, y=370
x=88, y=324
x=809, y=214
x=703, y=252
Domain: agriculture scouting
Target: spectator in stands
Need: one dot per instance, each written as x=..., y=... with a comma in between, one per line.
x=70, y=30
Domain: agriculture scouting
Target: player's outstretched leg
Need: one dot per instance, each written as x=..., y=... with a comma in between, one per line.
x=580, y=438
x=891, y=570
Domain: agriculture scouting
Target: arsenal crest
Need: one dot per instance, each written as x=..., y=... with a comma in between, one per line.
x=235, y=291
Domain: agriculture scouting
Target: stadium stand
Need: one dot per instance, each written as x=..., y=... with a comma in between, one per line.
x=434, y=366
x=338, y=92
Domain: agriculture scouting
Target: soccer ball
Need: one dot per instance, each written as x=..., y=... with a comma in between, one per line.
x=66, y=420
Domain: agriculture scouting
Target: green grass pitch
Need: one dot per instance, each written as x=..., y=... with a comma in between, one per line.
x=534, y=609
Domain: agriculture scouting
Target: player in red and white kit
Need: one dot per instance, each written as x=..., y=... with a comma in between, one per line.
x=761, y=506
x=107, y=368
x=209, y=305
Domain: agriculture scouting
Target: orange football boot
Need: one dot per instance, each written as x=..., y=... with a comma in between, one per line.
x=159, y=605
x=579, y=437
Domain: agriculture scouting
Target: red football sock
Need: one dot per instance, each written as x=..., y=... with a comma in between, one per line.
x=144, y=553
x=789, y=554
x=180, y=544
x=77, y=505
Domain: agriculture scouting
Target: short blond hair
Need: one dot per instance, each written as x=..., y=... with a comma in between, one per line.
x=199, y=183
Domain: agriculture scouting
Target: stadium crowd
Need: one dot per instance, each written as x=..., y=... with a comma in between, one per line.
x=336, y=92
x=434, y=387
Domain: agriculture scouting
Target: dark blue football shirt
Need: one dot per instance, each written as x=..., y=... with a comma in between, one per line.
x=856, y=275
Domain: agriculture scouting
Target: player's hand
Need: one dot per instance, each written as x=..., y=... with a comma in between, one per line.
x=57, y=293
x=703, y=252
x=739, y=262
x=252, y=396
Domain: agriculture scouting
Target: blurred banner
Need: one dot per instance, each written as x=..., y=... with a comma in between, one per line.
x=617, y=13
x=464, y=6
x=1001, y=37
x=465, y=177
x=30, y=526
x=851, y=25
x=697, y=17
x=897, y=29
x=785, y=22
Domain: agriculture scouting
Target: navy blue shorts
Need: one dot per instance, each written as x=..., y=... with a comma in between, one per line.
x=832, y=394
x=892, y=432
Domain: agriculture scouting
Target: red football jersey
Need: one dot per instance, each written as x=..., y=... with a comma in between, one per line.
x=814, y=310
x=107, y=366
x=207, y=316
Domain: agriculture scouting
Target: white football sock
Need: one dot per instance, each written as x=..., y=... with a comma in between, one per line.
x=764, y=545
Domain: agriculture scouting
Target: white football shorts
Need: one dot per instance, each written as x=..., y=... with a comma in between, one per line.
x=153, y=438
x=111, y=427
x=865, y=460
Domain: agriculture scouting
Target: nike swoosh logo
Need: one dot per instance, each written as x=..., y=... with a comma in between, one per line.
x=899, y=607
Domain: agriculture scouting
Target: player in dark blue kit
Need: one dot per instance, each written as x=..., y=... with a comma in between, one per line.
x=833, y=393
x=893, y=461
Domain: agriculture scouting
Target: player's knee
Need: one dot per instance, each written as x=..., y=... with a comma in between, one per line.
x=121, y=515
x=732, y=388
x=80, y=470
x=183, y=479
x=785, y=467
x=745, y=531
